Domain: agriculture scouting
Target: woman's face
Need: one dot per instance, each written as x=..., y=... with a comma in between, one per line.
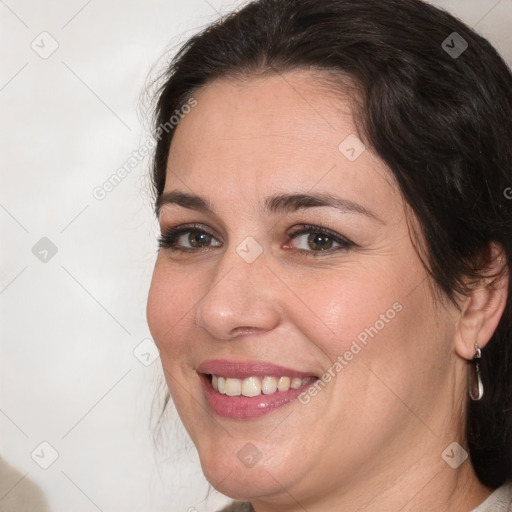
x=257, y=285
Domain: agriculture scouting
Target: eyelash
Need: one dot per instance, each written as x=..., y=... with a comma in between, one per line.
x=167, y=240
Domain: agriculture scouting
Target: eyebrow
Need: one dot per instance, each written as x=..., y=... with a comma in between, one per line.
x=276, y=204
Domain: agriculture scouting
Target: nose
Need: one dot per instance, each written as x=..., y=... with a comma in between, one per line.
x=240, y=299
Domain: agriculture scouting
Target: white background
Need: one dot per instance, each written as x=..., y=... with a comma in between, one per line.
x=69, y=326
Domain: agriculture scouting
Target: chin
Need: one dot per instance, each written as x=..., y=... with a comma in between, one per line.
x=231, y=477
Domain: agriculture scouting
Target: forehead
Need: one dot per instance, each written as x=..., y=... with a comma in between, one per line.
x=284, y=132
x=284, y=110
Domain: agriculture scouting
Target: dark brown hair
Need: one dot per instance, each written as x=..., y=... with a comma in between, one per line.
x=438, y=113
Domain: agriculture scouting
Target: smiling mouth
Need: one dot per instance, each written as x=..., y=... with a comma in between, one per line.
x=254, y=396
x=244, y=390
x=255, y=386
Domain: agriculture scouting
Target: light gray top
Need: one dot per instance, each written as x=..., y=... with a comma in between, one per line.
x=499, y=501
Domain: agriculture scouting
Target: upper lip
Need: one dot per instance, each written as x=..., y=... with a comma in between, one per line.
x=243, y=369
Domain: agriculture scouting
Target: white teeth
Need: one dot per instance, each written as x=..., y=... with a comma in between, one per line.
x=233, y=387
x=283, y=384
x=254, y=386
x=221, y=383
x=251, y=386
x=268, y=385
x=296, y=383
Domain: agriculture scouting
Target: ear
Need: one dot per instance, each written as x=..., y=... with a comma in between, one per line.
x=482, y=309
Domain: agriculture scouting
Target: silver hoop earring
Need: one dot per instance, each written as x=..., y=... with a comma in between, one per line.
x=476, y=388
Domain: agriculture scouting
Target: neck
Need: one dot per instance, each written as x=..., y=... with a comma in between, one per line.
x=438, y=488
x=429, y=485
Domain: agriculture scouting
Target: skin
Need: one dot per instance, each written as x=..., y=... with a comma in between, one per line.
x=372, y=439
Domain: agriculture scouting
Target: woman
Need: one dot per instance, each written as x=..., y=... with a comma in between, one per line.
x=331, y=299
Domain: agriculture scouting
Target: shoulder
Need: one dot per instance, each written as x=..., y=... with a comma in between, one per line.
x=19, y=492
x=499, y=501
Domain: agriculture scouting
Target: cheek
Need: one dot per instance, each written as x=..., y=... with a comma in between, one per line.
x=372, y=334
x=386, y=341
x=170, y=303
x=346, y=306
x=375, y=332
x=170, y=309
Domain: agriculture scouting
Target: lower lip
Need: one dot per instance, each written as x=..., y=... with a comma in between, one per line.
x=244, y=407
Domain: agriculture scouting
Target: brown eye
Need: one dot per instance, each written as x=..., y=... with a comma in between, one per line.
x=198, y=238
x=320, y=239
x=187, y=238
